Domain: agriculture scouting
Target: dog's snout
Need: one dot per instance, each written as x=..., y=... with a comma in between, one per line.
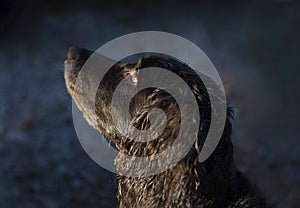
x=73, y=52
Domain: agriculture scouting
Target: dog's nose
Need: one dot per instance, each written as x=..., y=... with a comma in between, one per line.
x=73, y=52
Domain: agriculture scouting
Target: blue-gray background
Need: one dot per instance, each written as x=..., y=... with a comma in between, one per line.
x=255, y=47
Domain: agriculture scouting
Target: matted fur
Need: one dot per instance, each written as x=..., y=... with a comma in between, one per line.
x=215, y=183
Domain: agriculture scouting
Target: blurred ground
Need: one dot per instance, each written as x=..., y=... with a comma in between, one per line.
x=254, y=46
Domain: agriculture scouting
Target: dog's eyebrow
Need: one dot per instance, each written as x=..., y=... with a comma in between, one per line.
x=133, y=73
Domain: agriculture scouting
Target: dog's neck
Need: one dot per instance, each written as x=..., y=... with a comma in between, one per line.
x=187, y=184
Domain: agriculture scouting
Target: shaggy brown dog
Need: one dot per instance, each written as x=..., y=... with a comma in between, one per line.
x=214, y=183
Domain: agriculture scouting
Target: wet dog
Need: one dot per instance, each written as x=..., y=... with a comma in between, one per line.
x=214, y=183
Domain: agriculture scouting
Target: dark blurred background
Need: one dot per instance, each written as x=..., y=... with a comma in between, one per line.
x=254, y=45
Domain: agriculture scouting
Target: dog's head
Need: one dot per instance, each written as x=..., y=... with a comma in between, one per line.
x=141, y=104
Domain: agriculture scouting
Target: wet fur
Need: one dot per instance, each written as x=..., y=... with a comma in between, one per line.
x=214, y=183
